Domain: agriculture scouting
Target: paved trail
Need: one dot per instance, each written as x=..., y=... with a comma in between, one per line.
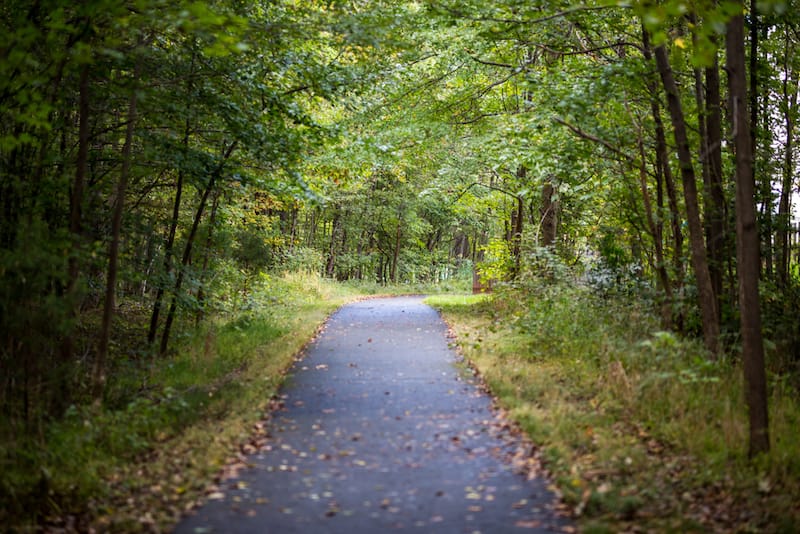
x=381, y=432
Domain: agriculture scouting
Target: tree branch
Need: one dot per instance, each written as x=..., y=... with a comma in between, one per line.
x=586, y=135
x=545, y=18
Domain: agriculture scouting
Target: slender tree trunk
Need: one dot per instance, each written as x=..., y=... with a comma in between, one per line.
x=187, y=250
x=99, y=371
x=710, y=132
x=75, y=223
x=330, y=266
x=343, y=245
x=747, y=249
x=715, y=190
x=359, y=274
x=766, y=186
x=293, y=228
x=81, y=168
x=700, y=100
x=201, y=295
x=396, y=253
x=698, y=249
x=665, y=170
x=662, y=156
x=173, y=227
x=789, y=91
x=652, y=226
x=548, y=215
x=517, y=222
x=176, y=208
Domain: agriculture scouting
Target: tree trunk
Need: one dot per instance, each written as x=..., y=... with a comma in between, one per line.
x=766, y=186
x=548, y=215
x=173, y=227
x=517, y=222
x=176, y=207
x=660, y=264
x=187, y=250
x=715, y=192
x=710, y=132
x=665, y=169
x=293, y=227
x=99, y=371
x=747, y=249
x=698, y=249
x=201, y=295
x=343, y=246
x=789, y=91
x=75, y=223
x=330, y=266
x=396, y=253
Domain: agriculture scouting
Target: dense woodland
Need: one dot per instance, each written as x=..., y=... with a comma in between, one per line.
x=159, y=160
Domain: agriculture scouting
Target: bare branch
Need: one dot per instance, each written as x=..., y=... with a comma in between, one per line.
x=492, y=63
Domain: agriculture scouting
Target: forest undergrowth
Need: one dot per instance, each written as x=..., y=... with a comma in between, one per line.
x=639, y=429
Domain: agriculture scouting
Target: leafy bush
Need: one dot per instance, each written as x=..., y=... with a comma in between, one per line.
x=635, y=422
x=497, y=263
x=302, y=259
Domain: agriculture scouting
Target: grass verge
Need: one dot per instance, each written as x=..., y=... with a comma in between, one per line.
x=639, y=430
x=167, y=426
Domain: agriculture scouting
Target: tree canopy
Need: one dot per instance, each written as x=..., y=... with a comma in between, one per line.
x=161, y=155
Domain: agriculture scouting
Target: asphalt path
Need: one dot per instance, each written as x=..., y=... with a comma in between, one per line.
x=379, y=430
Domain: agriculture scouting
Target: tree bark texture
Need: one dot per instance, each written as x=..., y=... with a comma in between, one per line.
x=747, y=243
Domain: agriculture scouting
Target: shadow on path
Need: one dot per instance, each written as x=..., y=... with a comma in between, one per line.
x=379, y=431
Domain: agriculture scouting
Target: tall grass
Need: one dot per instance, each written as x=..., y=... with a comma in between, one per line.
x=637, y=425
